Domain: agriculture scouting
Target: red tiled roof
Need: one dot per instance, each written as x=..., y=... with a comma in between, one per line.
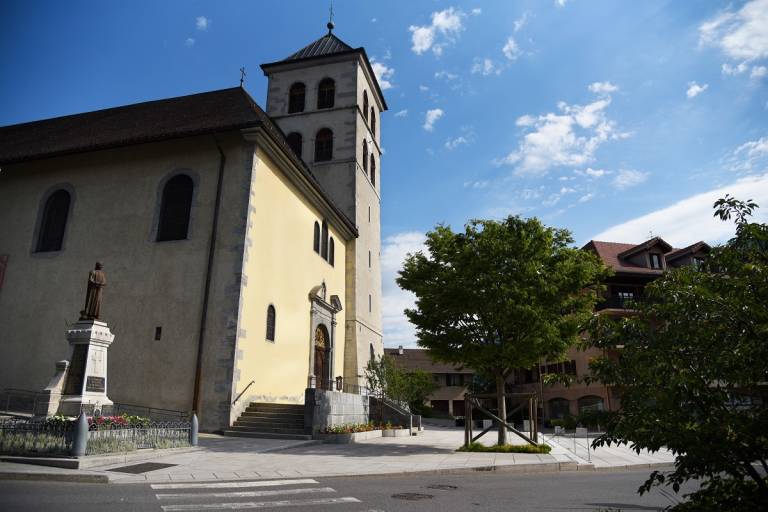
x=673, y=255
x=609, y=253
x=419, y=359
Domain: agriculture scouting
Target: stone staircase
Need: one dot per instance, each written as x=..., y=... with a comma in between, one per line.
x=271, y=421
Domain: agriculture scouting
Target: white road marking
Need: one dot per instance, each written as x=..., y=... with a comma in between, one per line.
x=234, y=485
x=260, y=504
x=244, y=494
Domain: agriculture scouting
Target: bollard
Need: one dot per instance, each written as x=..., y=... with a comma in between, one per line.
x=193, y=430
x=80, y=442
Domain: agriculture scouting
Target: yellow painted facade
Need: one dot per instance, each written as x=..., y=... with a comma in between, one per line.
x=280, y=238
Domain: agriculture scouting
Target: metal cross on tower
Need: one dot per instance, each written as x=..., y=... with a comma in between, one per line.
x=242, y=76
x=330, y=24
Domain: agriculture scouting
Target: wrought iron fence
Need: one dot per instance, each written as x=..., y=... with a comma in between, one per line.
x=152, y=413
x=167, y=434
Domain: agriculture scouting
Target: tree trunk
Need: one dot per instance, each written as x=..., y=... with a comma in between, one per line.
x=502, y=408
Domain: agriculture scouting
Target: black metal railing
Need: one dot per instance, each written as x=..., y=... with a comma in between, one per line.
x=618, y=302
x=161, y=434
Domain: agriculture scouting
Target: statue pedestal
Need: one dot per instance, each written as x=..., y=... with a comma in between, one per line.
x=86, y=383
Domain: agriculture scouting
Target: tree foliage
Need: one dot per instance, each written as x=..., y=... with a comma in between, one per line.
x=387, y=380
x=500, y=295
x=693, y=370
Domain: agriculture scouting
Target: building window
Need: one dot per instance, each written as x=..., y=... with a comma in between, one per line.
x=590, y=403
x=296, y=98
x=369, y=259
x=326, y=92
x=331, y=251
x=373, y=122
x=454, y=379
x=294, y=142
x=324, y=238
x=316, y=240
x=373, y=171
x=369, y=214
x=559, y=408
x=655, y=261
x=175, y=208
x=271, y=322
x=365, y=157
x=54, y=222
x=324, y=145
x=370, y=303
x=365, y=105
x=373, y=353
x=698, y=262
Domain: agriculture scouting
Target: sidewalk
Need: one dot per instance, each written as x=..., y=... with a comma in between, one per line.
x=434, y=450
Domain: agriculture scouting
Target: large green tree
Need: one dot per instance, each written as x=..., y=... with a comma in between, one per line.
x=693, y=370
x=500, y=295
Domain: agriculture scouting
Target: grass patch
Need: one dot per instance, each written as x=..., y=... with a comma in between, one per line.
x=506, y=448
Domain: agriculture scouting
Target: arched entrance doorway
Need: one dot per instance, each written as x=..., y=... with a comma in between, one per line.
x=322, y=350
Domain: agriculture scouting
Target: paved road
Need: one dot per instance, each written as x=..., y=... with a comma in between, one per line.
x=587, y=491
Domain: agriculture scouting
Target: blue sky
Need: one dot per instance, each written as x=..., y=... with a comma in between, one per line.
x=612, y=119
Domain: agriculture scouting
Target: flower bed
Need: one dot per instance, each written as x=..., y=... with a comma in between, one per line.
x=506, y=448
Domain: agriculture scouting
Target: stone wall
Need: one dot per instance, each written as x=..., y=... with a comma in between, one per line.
x=327, y=408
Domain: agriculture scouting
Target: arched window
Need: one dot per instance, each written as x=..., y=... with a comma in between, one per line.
x=373, y=353
x=324, y=145
x=326, y=93
x=54, y=222
x=324, y=248
x=294, y=142
x=365, y=157
x=271, y=323
x=373, y=171
x=590, y=403
x=373, y=122
x=331, y=251
x=175, y=207
x=316, y=242
x=296, y=98
x=365, y=105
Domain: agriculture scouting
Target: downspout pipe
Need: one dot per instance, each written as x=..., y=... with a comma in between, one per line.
x=208, y=272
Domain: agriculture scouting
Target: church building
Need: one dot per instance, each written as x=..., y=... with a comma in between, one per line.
x=240, y=245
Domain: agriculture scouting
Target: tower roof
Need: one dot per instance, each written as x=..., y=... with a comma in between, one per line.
x=329, y=44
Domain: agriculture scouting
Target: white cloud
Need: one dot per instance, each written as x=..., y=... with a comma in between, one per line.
x=383, y=74
x=628, y=178
x=476, y=184
x=522, y=21
x=190, y=42
x=560, y=3
x=431, y=118
x=750, y=157
x=593, y=173
x=759, y=72
x=397, y=329
x=741, y=35
x=603, y=87
x=485, y=67
x=695, y=89
x=201, y=22
x=446, y=75
x=423, y=88
x=511, y=50
x=476, y=11
x=690, y=219
x=738, y=69
x=402, y=113
x=443, y=30
x=569, y=137
x=452, y=144
x=586, y=197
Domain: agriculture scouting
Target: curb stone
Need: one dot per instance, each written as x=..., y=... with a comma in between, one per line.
x=55, y=477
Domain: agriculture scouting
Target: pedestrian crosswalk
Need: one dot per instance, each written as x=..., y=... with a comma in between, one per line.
x=245, y=495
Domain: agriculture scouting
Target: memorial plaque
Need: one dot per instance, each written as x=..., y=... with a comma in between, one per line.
x=76, y=371
x=95, y=384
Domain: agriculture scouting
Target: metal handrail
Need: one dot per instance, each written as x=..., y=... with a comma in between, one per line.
x=243, y=391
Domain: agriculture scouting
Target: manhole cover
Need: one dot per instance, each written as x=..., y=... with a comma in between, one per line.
x=412, y=496
x=442, y=487
x=142, y=468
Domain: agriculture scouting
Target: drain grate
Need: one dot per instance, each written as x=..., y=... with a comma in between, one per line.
x=142, y=468
x=412, y=496
x=442, y=487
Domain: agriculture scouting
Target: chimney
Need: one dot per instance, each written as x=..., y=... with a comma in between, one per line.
x=400, y=350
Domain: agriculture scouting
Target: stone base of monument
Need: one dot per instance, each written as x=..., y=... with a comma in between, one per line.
x=86, y=380
x=48, y=400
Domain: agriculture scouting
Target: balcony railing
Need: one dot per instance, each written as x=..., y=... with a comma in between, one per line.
x=618, y=302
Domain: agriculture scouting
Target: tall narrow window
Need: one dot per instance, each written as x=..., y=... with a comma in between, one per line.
x=373, y=171
x=370, y=307
x=175, y=207
x=655, y=261
x=326, y=93
x=365, y=105
x=316, y=242
x=373, y=122
x=296, y=98
x=324, y=247
x=331, y=251
x=369, y=259
x=294, y=142
x=271, y=323
x=324, y=145
x=54, y=222
x=365, y=157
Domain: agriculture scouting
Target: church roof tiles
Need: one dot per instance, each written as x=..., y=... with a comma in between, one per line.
x=326, y=45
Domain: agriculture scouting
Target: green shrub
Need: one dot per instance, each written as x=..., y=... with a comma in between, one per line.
x=30, y=443
x=506, y=448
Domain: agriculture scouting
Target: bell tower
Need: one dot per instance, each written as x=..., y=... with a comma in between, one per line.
x=326, y=99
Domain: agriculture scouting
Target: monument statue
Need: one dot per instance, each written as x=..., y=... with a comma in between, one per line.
x=97, y=280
